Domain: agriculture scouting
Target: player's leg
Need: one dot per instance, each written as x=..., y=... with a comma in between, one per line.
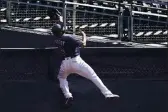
x=67, y=101
x=62, y=77
x=86, y=71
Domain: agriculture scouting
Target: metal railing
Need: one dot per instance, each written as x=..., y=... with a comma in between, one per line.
x=92, y=22
x=3, y=7
x=93, y=19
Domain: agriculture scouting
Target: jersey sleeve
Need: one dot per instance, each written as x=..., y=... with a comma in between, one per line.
x=76, y=41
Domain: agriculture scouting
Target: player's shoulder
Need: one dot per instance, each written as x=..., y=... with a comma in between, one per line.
x=68, y=37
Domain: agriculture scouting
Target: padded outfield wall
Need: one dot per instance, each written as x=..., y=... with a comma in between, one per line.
x=28, y=77
x=108, y=62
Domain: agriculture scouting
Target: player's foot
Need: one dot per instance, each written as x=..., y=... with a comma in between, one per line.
x=110, y=95
x=68, y=102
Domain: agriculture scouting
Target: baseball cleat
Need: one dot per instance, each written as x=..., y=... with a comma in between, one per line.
x=111, y=96
x=69, y=101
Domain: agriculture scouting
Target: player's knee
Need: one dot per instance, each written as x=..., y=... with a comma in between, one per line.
x=63, y=82
x=93, y=76
x=61, y=77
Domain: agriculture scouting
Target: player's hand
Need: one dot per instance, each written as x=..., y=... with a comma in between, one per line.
x=83, y=37
x=60, y=18
x=80, y=30
x=84, y=44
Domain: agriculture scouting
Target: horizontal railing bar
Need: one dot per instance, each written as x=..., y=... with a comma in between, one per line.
x=150, y=20
x=94, y=6
x=151, y=14
x=121, y=4
x=67, y=3
x=34, y=4
x=92, y=12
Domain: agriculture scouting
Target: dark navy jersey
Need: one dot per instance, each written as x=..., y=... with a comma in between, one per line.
x=68, y=45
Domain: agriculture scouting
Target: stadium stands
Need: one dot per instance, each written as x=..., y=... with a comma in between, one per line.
x=2, y=12
x=99, y=18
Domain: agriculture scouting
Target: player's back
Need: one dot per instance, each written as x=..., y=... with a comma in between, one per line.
x=69, y=45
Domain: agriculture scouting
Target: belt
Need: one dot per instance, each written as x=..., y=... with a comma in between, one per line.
x=70, y=57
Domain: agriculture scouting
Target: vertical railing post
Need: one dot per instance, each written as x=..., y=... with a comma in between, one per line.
x=8, y=12
x=119, y=35
x=74, y=17
x=131, y=22
x=120, y=22
x=167, y=24
x=120, y=28
x=129, y=26
x=64, y=14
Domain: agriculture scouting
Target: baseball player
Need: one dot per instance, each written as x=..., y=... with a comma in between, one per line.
x=73, y=63
x=55, y=16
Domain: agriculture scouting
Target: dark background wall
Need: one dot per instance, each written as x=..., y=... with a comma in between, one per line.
x=107, y=62
x=28, y=77
x=15, y=39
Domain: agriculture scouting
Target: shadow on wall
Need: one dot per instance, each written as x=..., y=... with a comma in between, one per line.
x=113, y=63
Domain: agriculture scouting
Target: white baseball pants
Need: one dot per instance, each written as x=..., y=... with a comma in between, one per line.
x=79, y=66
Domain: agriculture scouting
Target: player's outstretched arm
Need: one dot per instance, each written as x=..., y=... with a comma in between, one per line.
x=84, y=38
